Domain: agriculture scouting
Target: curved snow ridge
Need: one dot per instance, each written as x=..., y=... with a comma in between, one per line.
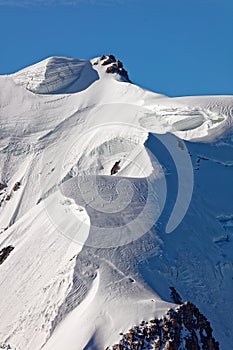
x=189, y=122
x=97, y=151
x=55, y=74
x=218, y=115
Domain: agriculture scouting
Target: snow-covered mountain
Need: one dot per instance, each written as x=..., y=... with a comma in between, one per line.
x=111, y=197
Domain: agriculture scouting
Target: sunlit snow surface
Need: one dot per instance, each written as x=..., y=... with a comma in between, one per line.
x=93, y=255
x=57, y=74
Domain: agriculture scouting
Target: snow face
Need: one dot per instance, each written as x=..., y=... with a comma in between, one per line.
x=56, y=74
x=92, y=251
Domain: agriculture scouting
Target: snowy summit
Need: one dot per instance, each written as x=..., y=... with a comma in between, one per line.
x=116, y=212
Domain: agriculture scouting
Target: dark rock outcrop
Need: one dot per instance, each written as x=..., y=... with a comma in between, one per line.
x=16, y=186
x=114, y=66
x=111, y=69
x=8, y=197
x=119, y=64
x=4, y=253
x=182, y=329
x=6, y=346
x=103, y=58
x=2, y=186
x=115, y=168
x=110, y=59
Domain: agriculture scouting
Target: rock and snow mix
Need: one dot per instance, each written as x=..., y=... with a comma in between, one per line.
x=94, y=172
x=182, y=329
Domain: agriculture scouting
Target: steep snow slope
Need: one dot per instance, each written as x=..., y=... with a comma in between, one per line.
x=91, y=255
x=56, y=74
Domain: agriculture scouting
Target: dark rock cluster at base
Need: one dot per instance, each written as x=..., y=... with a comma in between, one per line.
x=182, y=329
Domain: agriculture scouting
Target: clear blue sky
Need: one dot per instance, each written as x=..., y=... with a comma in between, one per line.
x=177, y=47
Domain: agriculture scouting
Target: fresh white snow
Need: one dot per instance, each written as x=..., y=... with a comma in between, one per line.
x=92, y=257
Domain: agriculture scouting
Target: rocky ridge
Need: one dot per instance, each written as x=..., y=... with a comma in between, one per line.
x=113, y=66
x=184, y=328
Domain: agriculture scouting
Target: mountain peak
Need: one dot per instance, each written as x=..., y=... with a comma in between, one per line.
x=94, y=172
x=113, y=66
x=58, y=74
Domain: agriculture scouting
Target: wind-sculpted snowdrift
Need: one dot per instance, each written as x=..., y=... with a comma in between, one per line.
x=56, y=74
x=109, y=196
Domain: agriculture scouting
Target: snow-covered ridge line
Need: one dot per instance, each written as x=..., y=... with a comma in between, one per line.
x=63, y=74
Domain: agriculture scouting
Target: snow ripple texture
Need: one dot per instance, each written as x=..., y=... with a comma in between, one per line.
x=55, y=74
